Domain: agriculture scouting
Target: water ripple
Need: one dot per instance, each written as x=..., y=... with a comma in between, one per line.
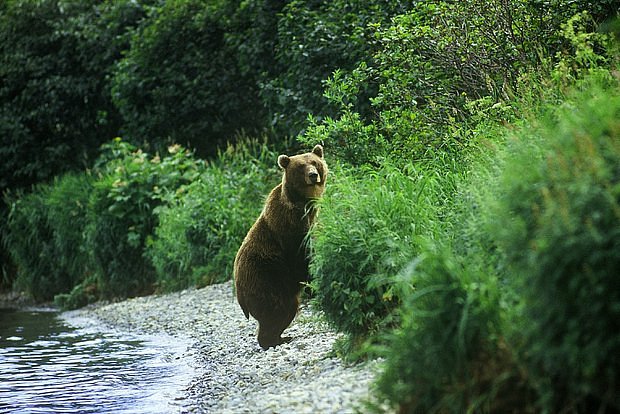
x=52, y=367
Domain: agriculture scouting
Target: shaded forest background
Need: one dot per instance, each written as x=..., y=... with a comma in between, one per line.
x=470, y=233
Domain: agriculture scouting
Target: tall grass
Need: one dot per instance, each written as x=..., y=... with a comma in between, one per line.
x=557, y=222
x=45, y=230
x=449, y=354
x=369, y=227
x=201, y=229
x=515, y=306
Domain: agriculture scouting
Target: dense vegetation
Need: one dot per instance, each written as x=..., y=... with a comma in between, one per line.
x=470, y=233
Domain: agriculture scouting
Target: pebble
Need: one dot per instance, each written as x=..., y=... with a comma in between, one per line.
x=233, y=374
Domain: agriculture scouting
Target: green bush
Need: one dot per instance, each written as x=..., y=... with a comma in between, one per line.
x=366, y=233
x=448, y=356
x=122, y=213
x=557, y=216
x=55, y=108
x=433, y=69
x=201, y=229
x=520, y=314
x=67, y=204
x=45, y=230
x=138, y=223
x=29, y=242
x=314, y=39
x=180, y=82
x=350, y=139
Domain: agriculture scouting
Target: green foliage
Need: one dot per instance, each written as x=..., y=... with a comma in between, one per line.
x=81, y=295
x=31, y=250
x=367, y=232
x=556, y=216
x=55, y=111
x=415, y=93
x=44, y=238
x=66, y=205
x=85, y=237
x=529, y=281
x=202, y=227
x=55, y=108
x=199, y=71
x=448, y=354
x=139, y=223
x=355, y=142
x=180, y=82
x=122, y=213
x=314, y=39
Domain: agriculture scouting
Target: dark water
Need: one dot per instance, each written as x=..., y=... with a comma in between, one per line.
x=49, y=365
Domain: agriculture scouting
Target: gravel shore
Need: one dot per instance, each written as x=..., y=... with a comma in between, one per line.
x=233, y=374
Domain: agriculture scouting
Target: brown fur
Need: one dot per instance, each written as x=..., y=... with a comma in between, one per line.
x=272, y=264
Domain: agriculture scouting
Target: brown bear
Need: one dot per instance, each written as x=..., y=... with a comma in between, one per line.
x=272, y=263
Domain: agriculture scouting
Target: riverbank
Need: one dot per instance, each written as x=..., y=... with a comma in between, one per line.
x=18, y=300
x=233, y=374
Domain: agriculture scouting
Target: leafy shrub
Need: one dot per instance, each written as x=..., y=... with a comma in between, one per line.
x=55, y=109
x=558, y=210
x=366, y=233
x=122, y=213
x=350, y=139
x=531, y=254
x=314, y=39
x=81, y=295
x=202, y=228
x=414, y=94
x=448, y=355
x=45, y=231
x=179, y=82
x=29, y=242
x=66, y=204
x=84, y=237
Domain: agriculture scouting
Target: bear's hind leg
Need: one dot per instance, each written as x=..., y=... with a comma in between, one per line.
x=270, y=329
x=269, y=337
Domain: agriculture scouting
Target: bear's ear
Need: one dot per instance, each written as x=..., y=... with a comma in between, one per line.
x=283, y=161
x=318, y=150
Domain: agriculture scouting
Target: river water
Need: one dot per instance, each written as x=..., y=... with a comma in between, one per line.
x=50, y=364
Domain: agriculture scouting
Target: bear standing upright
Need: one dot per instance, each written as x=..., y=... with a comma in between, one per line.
x=272, y=262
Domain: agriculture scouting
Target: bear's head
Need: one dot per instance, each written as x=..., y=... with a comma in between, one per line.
x=304, y=175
